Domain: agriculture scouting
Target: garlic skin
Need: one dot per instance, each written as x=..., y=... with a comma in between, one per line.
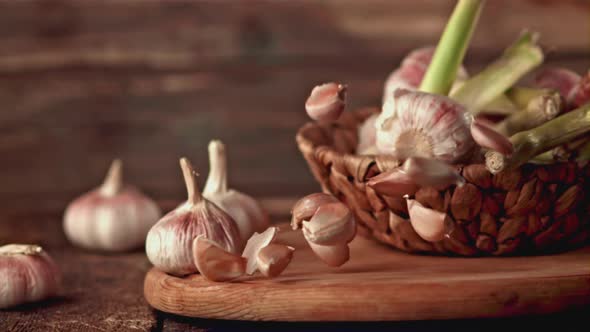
x=27, y=274
x=424, y=125
x=367, y=136
x=112, y=218
x=411, y=71
x=254, y=245
x=169, y=244
x=248, y=214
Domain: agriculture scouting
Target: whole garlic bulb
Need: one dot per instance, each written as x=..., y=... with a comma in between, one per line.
x=425, y=125
x=113, y=217
x=169, y=244
x=27, y=274
x=245, y=210
x=411, y=71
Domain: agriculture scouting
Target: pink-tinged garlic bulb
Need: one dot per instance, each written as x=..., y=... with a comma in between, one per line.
x=169, y=244
x=27, y=274
x=425, y=125
x=560, y=79
x=367, y=136
x=580, y=93
x=114, y=217
x=410, y=73
x=248, y=214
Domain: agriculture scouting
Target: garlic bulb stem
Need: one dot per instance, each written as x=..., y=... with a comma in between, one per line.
x=217, y=179
x=113, y=181
x=540, y=109
x=530, y=143
x=189, y=174
x=451, y=48
x=517, y=60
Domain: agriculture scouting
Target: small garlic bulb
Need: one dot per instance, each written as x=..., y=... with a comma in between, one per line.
x=411, y=71
x=113, y=217
x=245, y=210
x=169, y=244
x=27, y=274
x=425, y=125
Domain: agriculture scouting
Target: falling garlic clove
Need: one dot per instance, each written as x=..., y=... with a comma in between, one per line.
x=306, y=207
x=334, y=256
x=419, y=124
x=169, y=244
x=114, y=217
x=428, y=172
x=393, y=183
x=248, y=214
x=429, y=224
x=27, y=274
x=273, y=259
x=326, y=102
x=490, y=139
x=256, y=243
x=331, y=224
x=215, y=263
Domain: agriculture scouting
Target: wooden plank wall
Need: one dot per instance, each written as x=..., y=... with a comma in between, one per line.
x=82, y=82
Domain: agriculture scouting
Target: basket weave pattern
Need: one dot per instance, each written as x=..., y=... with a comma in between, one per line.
x=530, y=210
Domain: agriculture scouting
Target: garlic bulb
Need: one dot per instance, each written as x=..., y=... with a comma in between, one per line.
x=411, y=71
x=424, y=125
x=27, y=274
x=367, y=136
x=561, y=79
x=169, y=244
x=113, y=217
x=248, y=214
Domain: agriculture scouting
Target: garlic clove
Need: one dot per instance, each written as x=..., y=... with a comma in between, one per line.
x=326, y=102
x=418, y=124
x=169, y=244
x=273, y=259
x=114, y=217
x=307, y=206
x=393, y=183
x=216, y=264
x=428, y=224
x=28, y=274
x=333, y=256
x=431, y=172
x=248, y=214
x=255, y=244
x=331, y=224
x=490, y=139
x=367, y=136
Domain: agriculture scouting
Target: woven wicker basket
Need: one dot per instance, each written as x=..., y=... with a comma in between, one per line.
x=534, y=209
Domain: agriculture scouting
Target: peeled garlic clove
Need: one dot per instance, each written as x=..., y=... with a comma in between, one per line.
x=418, y=124
x=248, y=214
x=114, y=217
x=169, y=244
x=27, y=274
x=273, y=259
x=431, y=172
x=490, y=139
x=331, y=224
x=216, y=264
x=333, y=256
x=393, y=183
x=306, y=207
x=326, y=102
x=254, y=245
x=367, y=136
x=428, y=224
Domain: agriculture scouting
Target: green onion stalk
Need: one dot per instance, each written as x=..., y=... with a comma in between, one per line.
x=530, y=143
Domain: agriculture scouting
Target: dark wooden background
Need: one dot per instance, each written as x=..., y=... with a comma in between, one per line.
x=83, y=82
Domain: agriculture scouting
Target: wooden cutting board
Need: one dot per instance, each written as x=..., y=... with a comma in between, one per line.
x=381, y=284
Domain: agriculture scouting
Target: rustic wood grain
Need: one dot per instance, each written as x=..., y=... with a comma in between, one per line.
x=380, y=284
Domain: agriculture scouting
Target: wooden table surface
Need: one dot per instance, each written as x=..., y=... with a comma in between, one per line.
x=83, y=82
